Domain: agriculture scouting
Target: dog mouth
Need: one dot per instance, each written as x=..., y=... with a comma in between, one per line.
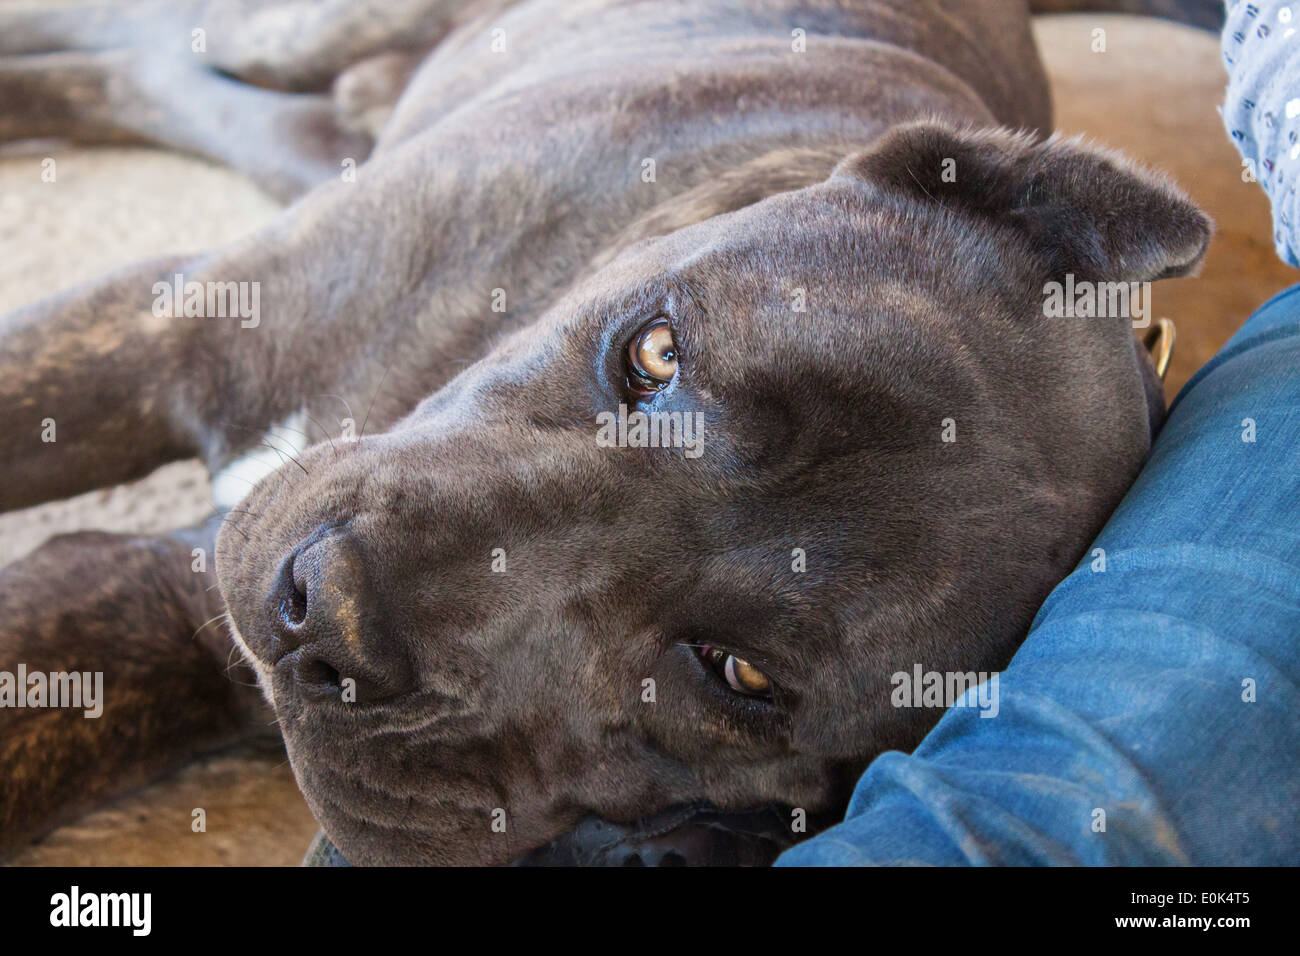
x=692, y=835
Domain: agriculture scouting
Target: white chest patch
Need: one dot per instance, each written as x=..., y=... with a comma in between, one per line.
x=232, y=484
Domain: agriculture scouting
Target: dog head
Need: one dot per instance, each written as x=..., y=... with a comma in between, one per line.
x=511, y=610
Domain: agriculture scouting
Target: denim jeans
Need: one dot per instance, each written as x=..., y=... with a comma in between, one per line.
x=1152, y=715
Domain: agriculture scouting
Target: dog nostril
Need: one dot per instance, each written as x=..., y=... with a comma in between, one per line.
x=291, y=591
x=327, y=627
x=319, y=675
x=297, y=605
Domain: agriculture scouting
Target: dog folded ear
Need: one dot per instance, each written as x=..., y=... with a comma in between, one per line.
x=1085, y=209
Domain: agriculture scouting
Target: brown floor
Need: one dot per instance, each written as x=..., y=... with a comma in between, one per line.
x=1153, y=94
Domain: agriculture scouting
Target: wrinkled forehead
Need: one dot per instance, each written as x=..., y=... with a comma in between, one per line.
x=823, y=281
x=838, y=251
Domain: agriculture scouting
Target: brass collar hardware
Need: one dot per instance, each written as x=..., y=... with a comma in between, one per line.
x=1159, y=341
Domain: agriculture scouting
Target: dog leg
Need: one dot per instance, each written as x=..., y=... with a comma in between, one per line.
x=243, y=82
x=98, y=388
x=304, y=47
x=365, y=94
x=105, y=382
x=276, y=44
x=87, y=389
x=136, y=622
x=286, y=143
x=97, y=25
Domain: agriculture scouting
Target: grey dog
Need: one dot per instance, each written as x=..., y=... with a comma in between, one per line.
x=481, y=606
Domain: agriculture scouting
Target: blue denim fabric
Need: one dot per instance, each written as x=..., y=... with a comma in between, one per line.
x=1127, y=695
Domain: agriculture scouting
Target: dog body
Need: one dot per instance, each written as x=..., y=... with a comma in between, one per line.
x=475, y=620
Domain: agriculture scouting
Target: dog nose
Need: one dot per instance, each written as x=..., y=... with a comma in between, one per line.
x=327, y=621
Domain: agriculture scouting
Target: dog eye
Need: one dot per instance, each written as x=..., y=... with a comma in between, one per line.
x=652, y=357
x=741, y=676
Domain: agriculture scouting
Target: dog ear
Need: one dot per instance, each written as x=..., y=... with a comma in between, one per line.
x=1087, y=210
